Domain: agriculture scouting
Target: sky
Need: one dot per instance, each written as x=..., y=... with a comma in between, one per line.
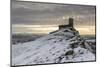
x=42, y=18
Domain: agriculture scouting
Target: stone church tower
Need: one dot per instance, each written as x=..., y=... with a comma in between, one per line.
x=67, y=26
x=71, y=22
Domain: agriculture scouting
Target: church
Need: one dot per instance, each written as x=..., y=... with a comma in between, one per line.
x=70, y=25
x=67, y=26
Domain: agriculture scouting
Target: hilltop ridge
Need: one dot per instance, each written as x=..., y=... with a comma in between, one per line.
x=63, y=45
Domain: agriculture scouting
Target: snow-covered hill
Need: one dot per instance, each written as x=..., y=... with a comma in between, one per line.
x=64, y=45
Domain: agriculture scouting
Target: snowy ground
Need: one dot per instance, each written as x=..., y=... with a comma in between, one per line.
x=61, y=46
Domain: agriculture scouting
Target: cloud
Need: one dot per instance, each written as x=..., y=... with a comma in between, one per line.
x=42, y=13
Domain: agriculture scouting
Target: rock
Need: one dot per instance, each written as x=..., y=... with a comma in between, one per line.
x=70, y=52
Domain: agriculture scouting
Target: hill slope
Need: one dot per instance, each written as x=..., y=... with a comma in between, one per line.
x=61, y=46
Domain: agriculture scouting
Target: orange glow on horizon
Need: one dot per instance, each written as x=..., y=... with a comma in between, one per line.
x=45, y=29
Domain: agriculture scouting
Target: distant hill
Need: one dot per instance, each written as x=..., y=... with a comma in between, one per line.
x=22, y=38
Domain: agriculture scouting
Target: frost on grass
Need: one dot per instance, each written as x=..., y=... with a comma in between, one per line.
x=61, y=46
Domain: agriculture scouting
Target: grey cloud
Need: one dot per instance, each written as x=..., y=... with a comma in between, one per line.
x=35, y=13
